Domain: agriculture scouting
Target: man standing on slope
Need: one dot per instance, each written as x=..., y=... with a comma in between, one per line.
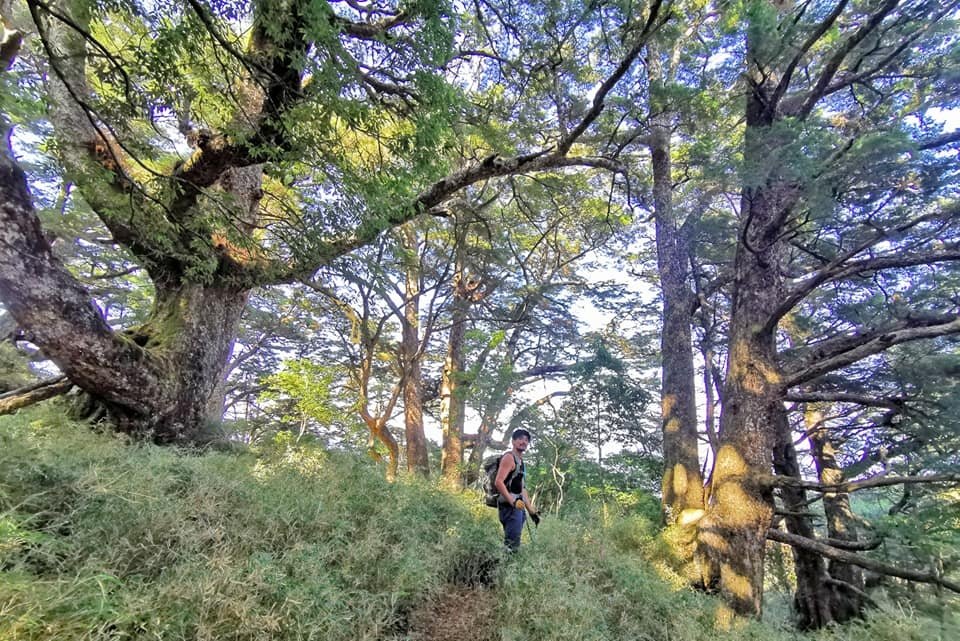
x=510, y=485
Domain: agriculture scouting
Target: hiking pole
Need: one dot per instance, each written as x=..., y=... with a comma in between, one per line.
x=529, y=529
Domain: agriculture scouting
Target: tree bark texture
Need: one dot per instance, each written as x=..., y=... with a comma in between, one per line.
x=733, y=532
x=841, y=526
x=682, y=485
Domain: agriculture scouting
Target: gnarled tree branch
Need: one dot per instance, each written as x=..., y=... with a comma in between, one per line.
x=855, y=559
x=846, y=350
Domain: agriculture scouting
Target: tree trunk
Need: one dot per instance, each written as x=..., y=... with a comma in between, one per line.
x=379, y=431
x=192, y=328
x=733, y=533
x=155, y=380
x=417, y=457
x=452, y=400
x=813, y=601
x=682, y=484
x=841, y=525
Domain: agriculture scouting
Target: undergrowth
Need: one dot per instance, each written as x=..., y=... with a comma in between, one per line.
x=106, y=539
x=101, y=539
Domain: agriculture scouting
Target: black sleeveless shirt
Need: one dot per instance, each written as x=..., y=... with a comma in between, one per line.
x=515, y=482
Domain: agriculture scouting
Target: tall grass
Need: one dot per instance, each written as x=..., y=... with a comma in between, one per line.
x=611, y=578
x=101, y=539
x=104, y=539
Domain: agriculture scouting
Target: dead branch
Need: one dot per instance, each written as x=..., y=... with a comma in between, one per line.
x=30, y=394
x=881, y=480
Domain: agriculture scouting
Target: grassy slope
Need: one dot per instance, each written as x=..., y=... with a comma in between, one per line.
x=104, y=540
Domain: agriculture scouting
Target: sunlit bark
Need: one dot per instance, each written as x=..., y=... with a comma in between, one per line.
x=733, y=532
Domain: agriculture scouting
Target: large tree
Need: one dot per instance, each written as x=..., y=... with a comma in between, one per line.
x=313, y=125
x=826, y=203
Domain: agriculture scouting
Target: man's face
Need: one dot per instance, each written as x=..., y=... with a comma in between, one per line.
x=521, y=443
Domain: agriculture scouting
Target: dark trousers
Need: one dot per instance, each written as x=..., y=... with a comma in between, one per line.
x=512, y=520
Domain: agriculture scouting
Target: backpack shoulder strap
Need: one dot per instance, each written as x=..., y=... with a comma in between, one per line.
x=517, y=468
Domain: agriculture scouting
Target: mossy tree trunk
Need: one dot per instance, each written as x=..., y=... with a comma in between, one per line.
x=155, y=380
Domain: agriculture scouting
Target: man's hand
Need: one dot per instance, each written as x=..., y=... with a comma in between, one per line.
x=519, y=504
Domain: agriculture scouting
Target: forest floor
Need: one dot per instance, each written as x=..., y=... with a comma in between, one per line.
x=458, y=613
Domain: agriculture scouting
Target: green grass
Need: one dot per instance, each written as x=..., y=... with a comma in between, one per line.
x=103, y=539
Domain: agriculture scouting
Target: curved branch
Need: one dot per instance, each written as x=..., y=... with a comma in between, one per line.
x=64, y=322
x=940, y=141
x=493, y=166
x=653, y=23
x=85, y=146
x=846, y=350
x=850, y=558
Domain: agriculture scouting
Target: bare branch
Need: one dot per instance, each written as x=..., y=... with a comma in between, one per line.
x=652, y=24
x=881, y=480
x=940, y=141
x=836, y=354
x=845, y=397
x=25, y=396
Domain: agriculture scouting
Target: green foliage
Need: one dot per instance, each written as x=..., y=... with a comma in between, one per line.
x=14, y=370
x=306, y=385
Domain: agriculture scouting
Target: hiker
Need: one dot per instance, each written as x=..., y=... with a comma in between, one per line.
x=514, y=502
